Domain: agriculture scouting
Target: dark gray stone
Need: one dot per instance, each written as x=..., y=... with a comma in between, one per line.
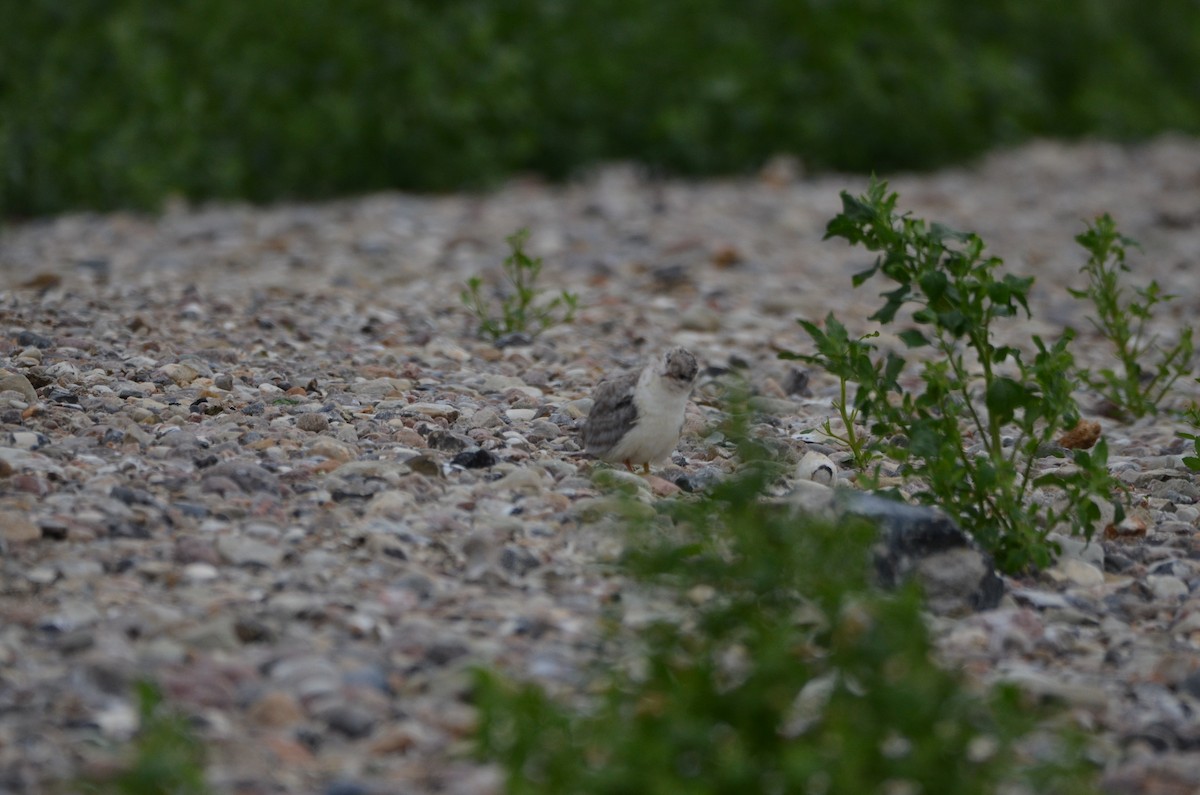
x=474, y=459
x=957, y=576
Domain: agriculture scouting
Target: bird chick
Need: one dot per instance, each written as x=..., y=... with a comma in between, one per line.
x=637, y=418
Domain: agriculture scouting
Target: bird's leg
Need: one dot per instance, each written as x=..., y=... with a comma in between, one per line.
x=628, y=465
x=646, y=469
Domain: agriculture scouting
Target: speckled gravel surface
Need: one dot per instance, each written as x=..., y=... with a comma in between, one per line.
x=258, y=455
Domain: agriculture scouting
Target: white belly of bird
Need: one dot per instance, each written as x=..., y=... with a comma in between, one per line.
x=653, y=438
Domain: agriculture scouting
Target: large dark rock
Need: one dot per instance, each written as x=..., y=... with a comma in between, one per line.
x=957, y=576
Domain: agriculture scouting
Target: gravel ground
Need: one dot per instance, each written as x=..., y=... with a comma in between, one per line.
x=229, y=435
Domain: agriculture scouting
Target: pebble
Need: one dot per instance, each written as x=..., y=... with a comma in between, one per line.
x=244, y=551
x=13, y=382
x=18, y=528
x=1165, y=588
x=817, y=467
x=1077, y=572
x=312, y=422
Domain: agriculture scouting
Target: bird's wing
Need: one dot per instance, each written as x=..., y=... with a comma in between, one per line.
x=613, y=414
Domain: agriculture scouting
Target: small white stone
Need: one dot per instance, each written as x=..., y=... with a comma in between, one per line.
x=200, y=572
x=42, y=575
x=1187, y=513
x=1077, y=571
x=1092, y=552
x=818, y=468
x=1166, y=587
x=117, y=721
x=520, y=415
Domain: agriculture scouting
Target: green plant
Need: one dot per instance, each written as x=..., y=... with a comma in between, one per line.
x=777, y=669
x=521, y=308
x=849, y=360
x=167, y=756
x=984, y=413
x=1192, y=415
x=124, y=103
x=1147, y=371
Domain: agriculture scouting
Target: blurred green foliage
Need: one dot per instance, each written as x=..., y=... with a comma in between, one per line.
x=112, y=103
x=777, y=669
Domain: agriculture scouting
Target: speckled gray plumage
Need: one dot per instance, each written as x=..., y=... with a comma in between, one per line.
x=613, y=414
x=637, y=418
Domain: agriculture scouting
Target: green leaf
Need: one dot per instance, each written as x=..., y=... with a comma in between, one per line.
x=1004, y=397
x=895, y=300
x=934, y=284
x=860, y=277
x=913, y=338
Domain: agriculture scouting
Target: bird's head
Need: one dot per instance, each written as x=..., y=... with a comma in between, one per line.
x=679, y=368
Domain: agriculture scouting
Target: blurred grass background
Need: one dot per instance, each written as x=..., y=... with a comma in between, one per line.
x=122, y=103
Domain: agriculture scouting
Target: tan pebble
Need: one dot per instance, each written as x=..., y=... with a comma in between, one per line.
x=409, y=438
x=313, y=422
x=662, y=487
x=14, y=382
x=333, y=449
x=436, y=410
x=726, y=255
x=289, y=751
x=179, y=373
x=771, y=388
x=700, y=318
x=425, y=464
x=394, y=740
x=459, y=720
x=557, y=502
x=391, y=504
x=523, y=480
x=1076, y=571
x=17, y=528
x=276, y=710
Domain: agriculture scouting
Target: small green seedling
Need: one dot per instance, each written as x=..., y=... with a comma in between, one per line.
x=1192, y=415
x=850, y=360
x=522, y=310
x=1147, y=370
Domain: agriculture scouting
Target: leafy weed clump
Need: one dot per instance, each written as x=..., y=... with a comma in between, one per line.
x=1147, y=370
x=521, y=309
x=983, y=412
x=778, y=669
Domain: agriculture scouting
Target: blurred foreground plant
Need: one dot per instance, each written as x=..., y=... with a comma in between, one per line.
x=167, y=756
x=776, y=669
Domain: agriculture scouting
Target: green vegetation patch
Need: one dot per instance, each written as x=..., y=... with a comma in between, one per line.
x=125, y=103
